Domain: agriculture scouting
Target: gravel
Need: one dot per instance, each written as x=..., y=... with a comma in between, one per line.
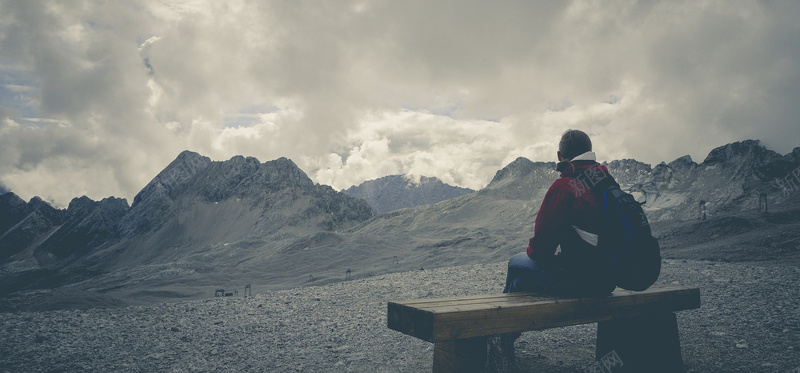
x=748, y=322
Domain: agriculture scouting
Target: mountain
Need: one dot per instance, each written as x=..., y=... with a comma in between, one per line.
x=24, y=225
x=731, y=178
x=485, y=226
x=396, y=192
x=85, y=226
x=197, y=205
x=194, y=216
x=201, y=225
x=497, y=221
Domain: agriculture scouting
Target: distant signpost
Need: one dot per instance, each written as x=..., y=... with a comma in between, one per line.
x=702, y=211
x=762, y=202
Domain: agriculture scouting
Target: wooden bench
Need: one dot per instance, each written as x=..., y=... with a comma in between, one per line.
x=638, y=328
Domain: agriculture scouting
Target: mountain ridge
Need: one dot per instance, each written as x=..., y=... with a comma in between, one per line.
x=200, y=224
x=193, y=206
x=396, y=192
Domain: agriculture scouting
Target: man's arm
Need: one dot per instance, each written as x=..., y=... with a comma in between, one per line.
x=553, y=216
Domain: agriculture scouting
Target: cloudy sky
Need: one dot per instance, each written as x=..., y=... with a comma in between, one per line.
x=96, y=97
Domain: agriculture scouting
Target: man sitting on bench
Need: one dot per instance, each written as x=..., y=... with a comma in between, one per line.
x=560, y=259
x=587, y=241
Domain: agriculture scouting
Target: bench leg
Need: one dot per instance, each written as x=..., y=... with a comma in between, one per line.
x=501, y=354
x=493, y=354
x=463, y=355
x=645, y=344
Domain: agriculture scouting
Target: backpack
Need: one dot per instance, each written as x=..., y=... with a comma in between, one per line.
x=633, y=255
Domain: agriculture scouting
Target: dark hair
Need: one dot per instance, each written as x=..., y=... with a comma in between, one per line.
x=573, y=143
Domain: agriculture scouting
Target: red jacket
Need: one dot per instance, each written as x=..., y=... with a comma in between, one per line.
x=568, y=203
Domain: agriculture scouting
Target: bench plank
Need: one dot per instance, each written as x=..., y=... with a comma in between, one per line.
x=435, y=303
x=447, y=319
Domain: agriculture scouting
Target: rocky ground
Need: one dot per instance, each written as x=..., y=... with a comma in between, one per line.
x=748, y=322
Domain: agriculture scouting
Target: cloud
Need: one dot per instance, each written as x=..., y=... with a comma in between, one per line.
x=96, y=98
x=417, y=144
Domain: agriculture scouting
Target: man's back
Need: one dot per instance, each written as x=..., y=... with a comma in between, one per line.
x=562, y=256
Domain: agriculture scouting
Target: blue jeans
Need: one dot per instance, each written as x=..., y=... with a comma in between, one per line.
x=525, y=274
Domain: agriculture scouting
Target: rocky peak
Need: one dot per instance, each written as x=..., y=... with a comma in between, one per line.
x=26, y=225
x=752, y=160
x=87, y=224
x=629, y=171
x=84, y=206
x=11, y=200
x=248, y=178
x=728, y=151
x=45, y=213
x=682, y=163
x=521, y=168
x=193, y=181
x=80, y=206
x=522, y=179
x=173, y=177
x=114, y=204
x=37, y=203
x=395, y=192
x=747, y=152
x=285, y=171
x=13, y=209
